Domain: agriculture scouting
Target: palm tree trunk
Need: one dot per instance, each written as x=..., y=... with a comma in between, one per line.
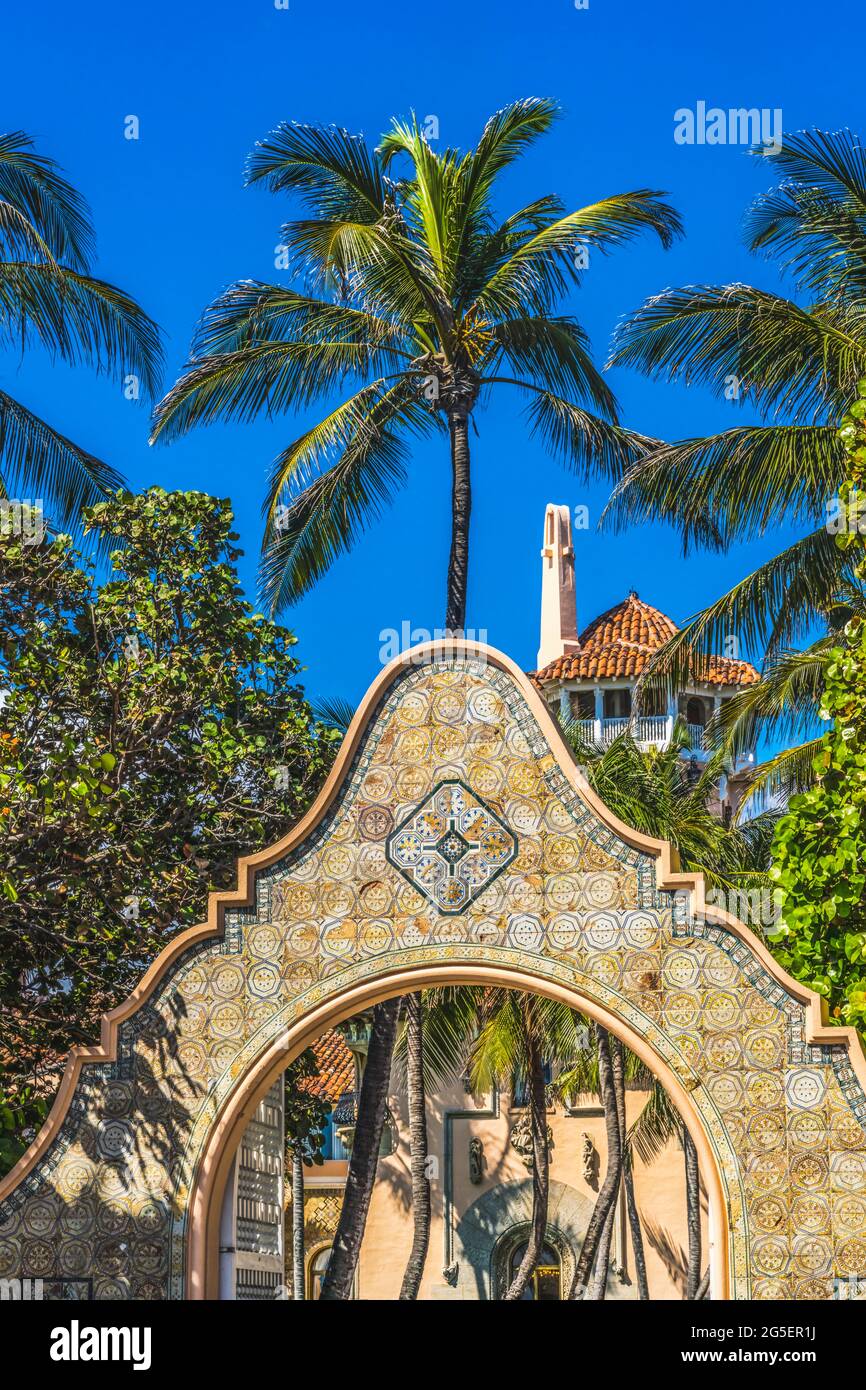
x=461, y=504
x=540, y=1168
x=372, y=1103
x=693, y=1215
x=598, y=1286
x=610, y=1186
x=418, y=1146
x=298, y=1273
x=628, y=1173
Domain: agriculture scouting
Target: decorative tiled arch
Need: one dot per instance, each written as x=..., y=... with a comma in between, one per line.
x=116, y=1197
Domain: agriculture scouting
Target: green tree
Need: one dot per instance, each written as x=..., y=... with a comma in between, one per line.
x=306, y=1118
x=418, y=300
x=668, y=797
x=797, y=364
x=819, y=851
x=151, y=730
x=50, y=299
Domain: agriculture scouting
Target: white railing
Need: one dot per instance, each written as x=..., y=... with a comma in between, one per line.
x=649, y=728
x=652, y=728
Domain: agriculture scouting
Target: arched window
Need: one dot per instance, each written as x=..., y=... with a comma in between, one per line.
x=318, y=1265
x=545, y=1282
x=696, y=712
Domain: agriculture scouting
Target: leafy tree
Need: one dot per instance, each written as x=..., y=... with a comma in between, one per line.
x=819, y=851
x=151, y=730
x=49, y=298
x=798, y=364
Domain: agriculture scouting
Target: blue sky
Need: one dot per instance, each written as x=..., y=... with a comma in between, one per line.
x=175, y=225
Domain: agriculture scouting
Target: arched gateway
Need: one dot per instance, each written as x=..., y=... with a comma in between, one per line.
x=454, y=840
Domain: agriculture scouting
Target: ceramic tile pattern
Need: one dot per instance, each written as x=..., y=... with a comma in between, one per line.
x=570, y=902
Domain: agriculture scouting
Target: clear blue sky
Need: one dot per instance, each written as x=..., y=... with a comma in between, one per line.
x=175, y=225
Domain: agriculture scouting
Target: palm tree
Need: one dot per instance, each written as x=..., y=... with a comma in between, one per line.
x=419, y=301
x=50, y=299
x=517, y=1035
x=306, y=1115
x=663, y=795
x=418, y=1147
x=666, y=796
x=372, y=1105
x=595, y=1250
x=501, y=1037
x=416, y=301
x=799, y=365
x=655, y=1127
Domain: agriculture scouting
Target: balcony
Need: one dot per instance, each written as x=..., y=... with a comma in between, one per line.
x=649, y=729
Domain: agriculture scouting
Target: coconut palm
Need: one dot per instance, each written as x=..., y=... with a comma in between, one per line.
x=657, y=1125
x=667, y=796
x=366, y=1143
x=415, y=302
x=416, y=299
x=49, y=298
x=417, y=1106
x=798, y=364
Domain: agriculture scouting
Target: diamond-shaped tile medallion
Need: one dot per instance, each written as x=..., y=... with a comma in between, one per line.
x=451, y=847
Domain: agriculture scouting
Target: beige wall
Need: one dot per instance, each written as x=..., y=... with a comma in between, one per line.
x=660, y=1192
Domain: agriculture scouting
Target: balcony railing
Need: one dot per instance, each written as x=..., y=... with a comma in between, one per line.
x=697, y=739
x=649, y=728
x=652, y=728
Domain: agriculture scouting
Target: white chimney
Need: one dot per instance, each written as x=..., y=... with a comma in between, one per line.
x=558, y=602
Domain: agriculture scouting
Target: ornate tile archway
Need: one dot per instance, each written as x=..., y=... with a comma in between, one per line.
x=454, y=839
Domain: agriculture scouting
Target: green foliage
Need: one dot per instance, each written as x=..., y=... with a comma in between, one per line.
x=151, y=730
x=20, y=1117
x=306, y=1112
x=797, y=365
x=819, y=850
x=667, y=796
x=418, y=300
x=49, y=299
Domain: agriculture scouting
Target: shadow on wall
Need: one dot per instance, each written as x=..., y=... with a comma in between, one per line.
x=99, y=1226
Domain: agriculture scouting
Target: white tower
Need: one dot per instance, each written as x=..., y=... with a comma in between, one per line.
x=558, y=601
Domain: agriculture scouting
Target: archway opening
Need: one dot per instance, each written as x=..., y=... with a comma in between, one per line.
x=477, y=1150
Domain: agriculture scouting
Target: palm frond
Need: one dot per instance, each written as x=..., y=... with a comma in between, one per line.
x=553, y=353
x=781, y=356
x=784, y=775
x=773, y=607
x=37, y=459
x=658, y=1123
x=543, y=266
x=731, y=485
x=33, y=185
x=364, y=437
x=82, y=319
x=588, y=445
x=334, y=712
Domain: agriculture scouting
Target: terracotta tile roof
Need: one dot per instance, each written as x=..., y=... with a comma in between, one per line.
x=618, y=644
x=336, y=1067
